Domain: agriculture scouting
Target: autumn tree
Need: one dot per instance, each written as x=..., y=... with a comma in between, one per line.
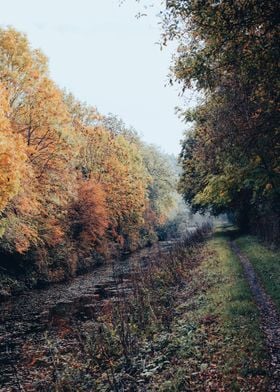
x=229, y=52
x=162, y=174
x=39, y=119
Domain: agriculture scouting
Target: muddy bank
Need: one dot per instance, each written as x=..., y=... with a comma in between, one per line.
x=17, y=277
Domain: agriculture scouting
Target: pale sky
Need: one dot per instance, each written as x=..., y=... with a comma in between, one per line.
x=106, y=57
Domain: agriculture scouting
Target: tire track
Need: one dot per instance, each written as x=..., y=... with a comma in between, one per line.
x=270, y=319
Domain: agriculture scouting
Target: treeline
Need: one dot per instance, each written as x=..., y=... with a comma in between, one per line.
x=74, y=185
x=229, y=51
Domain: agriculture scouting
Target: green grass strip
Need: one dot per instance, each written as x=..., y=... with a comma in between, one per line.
x=266, y=263
x=217, y=338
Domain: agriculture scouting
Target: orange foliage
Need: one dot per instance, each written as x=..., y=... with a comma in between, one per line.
x=69, y=187
x=89, y=217
x=12, y=156
x=37, y=153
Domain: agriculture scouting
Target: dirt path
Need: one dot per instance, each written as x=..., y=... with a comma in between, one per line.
x=270, y=319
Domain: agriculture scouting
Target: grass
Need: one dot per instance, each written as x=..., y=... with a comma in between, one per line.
x=216, y=339
x=266, y=263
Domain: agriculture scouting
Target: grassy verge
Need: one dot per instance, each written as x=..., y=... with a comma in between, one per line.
x=266, y=263
x=215, y=343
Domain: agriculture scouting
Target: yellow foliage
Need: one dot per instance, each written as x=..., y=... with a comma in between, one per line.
x=12, y=158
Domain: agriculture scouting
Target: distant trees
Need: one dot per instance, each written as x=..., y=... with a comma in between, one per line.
x=161, y=188
x=116, y=164
x=229, y=50
x=73, y=183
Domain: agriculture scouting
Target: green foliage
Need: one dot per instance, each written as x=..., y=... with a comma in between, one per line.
x=229, y=51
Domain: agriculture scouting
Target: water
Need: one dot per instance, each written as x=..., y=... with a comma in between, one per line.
x=27, y=321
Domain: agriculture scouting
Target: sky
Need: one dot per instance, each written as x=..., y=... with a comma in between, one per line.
x=107, y=58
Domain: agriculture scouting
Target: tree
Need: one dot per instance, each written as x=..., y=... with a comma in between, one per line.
x=229, y=51
x=163, y=181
